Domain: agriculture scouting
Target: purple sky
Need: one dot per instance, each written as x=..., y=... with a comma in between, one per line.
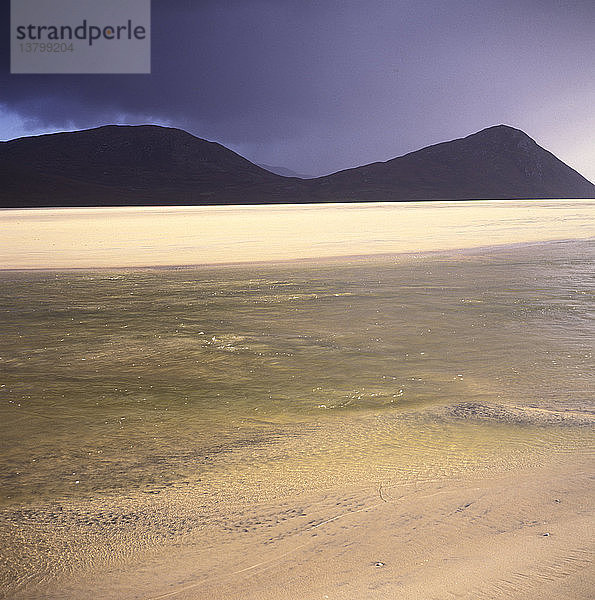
x=318, y=86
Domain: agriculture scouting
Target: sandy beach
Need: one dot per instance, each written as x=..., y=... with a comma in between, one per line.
x=416, y=423
x=297, y=300
x=521, y=535
x=523, y=531
x=169, y=236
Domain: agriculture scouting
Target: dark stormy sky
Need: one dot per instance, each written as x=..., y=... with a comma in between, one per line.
x=318, y=86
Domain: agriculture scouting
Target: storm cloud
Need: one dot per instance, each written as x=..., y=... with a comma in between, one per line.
x=322, y=86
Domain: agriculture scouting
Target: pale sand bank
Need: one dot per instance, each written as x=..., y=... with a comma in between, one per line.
x=471, y=537
x=161, y=236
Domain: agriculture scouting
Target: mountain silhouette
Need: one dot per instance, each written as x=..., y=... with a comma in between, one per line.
x=117, y=165
x=497, y=162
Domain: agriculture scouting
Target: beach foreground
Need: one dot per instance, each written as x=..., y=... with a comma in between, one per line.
x=524, y=534
x=399, y=426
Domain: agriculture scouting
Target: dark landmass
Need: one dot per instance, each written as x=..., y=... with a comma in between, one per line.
x=498, y=162
x=284, y=171
x=119, y=165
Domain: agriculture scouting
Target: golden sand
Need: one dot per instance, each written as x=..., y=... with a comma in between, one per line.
x=157, y=236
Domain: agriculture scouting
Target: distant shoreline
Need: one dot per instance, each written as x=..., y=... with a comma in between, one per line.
x=269, y=204
x=257, y=205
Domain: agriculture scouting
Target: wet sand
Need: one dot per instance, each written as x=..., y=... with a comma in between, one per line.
x=516, y=535
x=407, y=426
x=523, y=531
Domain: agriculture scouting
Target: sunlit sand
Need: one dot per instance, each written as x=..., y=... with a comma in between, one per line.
x=155, y=236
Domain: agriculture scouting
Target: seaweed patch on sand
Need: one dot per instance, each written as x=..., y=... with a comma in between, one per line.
x=515, y=415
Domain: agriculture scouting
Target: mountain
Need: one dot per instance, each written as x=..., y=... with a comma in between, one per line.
x=119, y=165
x=497, y=162
x=147, y=164
x=285, y=172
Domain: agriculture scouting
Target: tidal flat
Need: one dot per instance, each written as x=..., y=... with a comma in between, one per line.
x=388, y=426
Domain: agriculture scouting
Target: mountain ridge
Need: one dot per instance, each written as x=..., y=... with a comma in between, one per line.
x=150, y=164
x=500, y=161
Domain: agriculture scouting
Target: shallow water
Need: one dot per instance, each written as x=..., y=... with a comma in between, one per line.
x=245, y=384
